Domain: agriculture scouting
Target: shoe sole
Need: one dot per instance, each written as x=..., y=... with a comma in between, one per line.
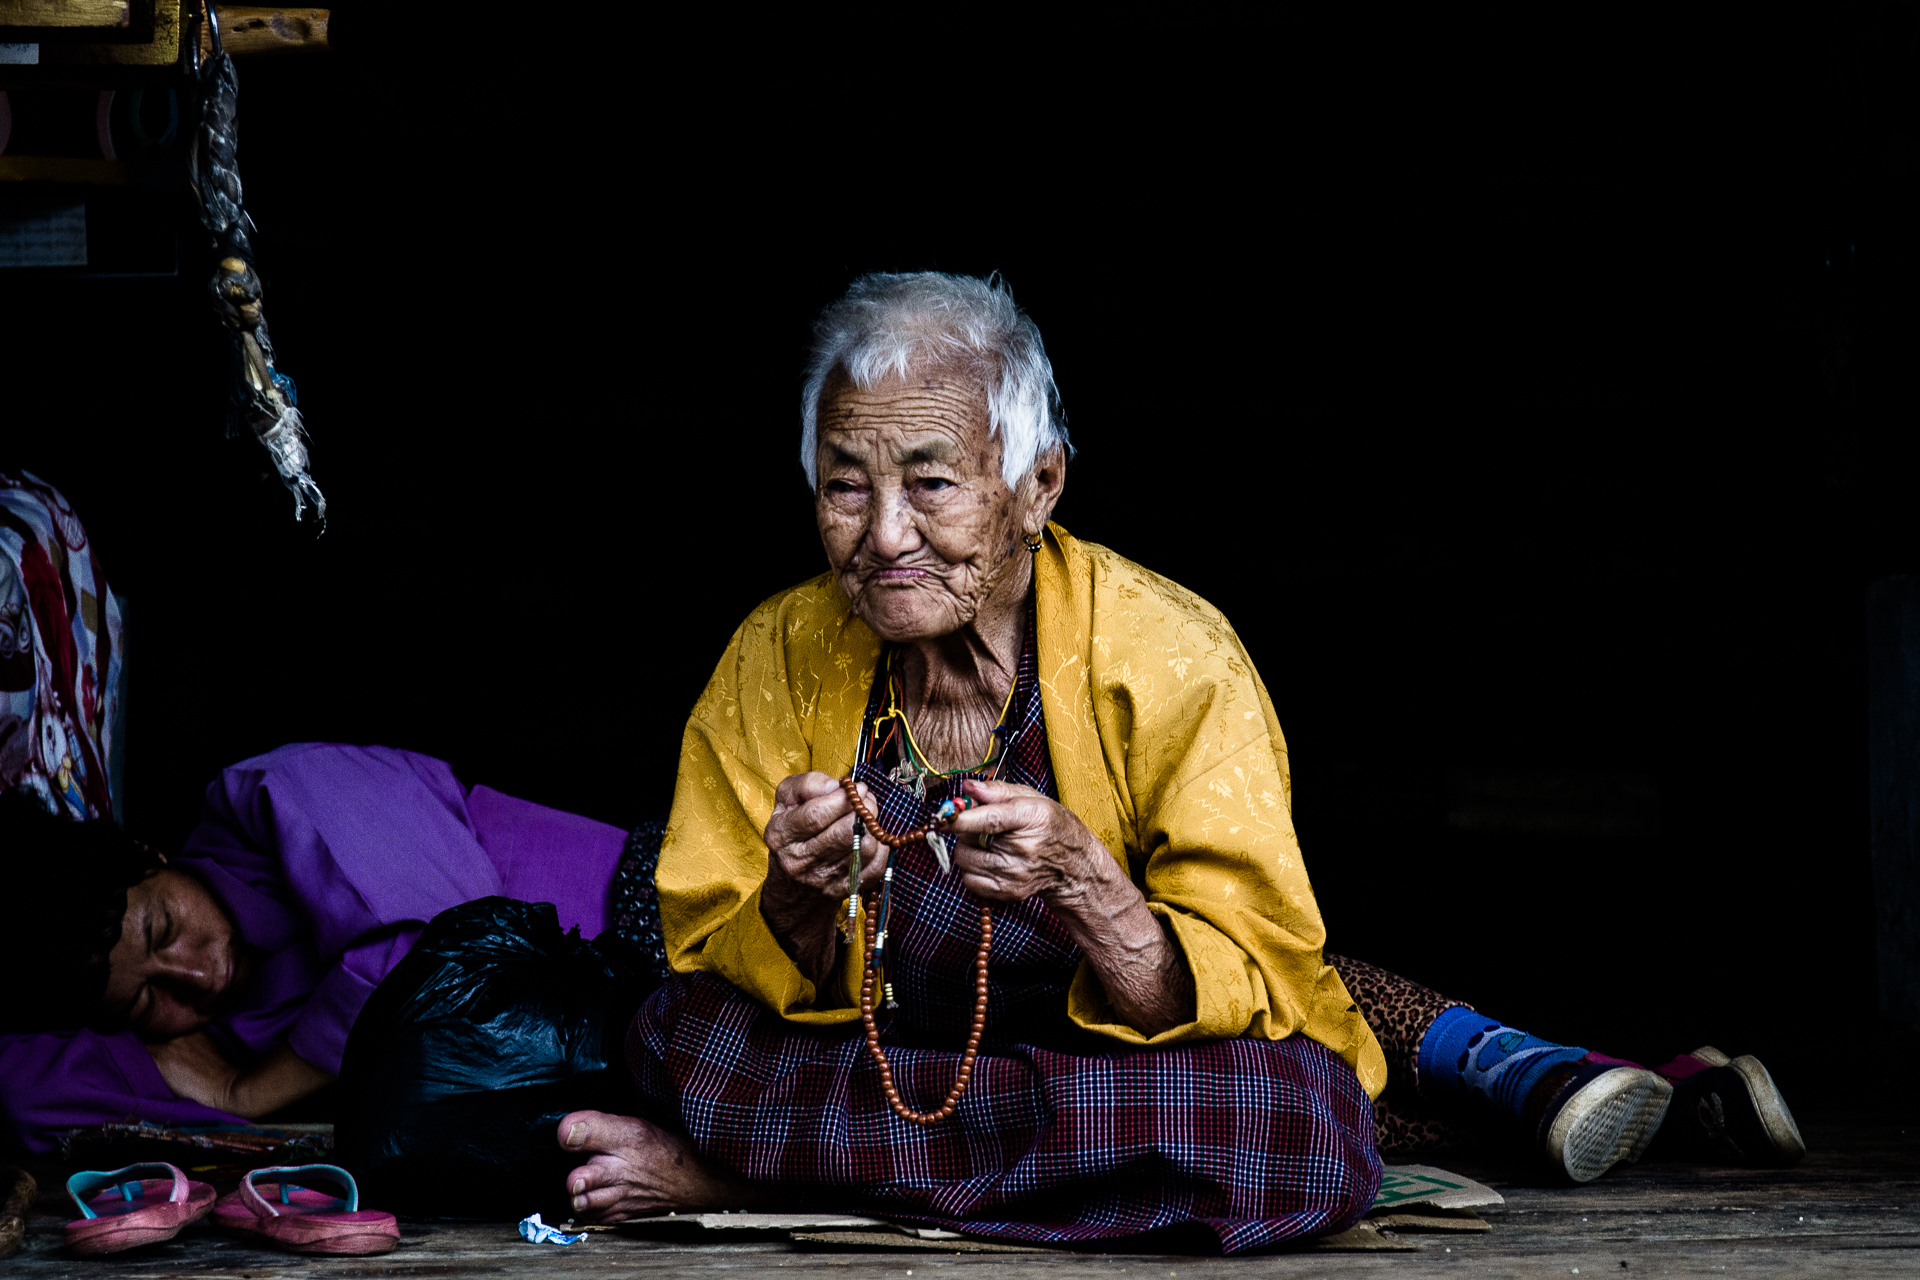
x=116, y=1235
x=1611, y=1119
x=1788, y=1145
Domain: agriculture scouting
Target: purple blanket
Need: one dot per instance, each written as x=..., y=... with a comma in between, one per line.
x=330, y=859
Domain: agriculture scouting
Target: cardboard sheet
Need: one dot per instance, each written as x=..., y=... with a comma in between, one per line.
x=1409, y=1185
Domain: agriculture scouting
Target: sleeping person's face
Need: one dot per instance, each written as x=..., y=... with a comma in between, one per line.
x=176, y=957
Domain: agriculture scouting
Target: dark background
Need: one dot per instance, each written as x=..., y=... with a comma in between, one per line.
x=1536, y=401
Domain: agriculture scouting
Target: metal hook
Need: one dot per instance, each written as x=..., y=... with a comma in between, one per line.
x=190, y=24
x=190, y=41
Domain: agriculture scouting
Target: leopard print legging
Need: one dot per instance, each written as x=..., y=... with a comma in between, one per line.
x=1400, y=1012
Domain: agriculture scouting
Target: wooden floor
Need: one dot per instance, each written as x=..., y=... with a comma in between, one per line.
x=1851, y=1209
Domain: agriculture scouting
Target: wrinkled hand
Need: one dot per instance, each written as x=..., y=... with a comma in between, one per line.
x=194, y=1068
x=1039, y=848
x=809, y=842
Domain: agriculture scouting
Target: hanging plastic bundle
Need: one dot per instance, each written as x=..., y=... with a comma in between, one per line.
x=263, y=398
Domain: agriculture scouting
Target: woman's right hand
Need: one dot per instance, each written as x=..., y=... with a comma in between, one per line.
x=809, y=844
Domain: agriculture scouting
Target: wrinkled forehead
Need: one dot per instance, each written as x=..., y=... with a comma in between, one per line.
x=931, y=416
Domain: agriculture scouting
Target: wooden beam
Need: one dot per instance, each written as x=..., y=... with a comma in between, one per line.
x=148, y=52
x=246, y=31
x=64, y=13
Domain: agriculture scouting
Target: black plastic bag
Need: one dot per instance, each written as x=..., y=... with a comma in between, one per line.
x=461, y=1065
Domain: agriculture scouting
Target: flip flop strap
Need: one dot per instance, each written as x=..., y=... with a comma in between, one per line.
x=88, y=1181
x=259, y=1204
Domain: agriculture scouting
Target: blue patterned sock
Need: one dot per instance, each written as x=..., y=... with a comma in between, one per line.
x=1469, y=1054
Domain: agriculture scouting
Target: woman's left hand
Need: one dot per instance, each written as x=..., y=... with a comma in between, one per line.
x=1035, y=847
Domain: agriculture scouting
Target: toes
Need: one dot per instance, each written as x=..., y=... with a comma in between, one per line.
x=597, y=1200
x=595, y=1185
x=587, y=1130
x=599, y=1188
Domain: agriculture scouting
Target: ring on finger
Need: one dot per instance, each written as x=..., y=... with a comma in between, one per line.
x=986, y=842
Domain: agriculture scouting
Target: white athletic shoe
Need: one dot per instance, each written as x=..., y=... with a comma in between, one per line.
x=1604, y=1115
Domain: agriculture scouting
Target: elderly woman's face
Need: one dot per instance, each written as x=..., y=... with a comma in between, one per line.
x=919, y=526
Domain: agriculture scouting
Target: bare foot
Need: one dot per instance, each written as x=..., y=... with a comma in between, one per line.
x=638, y=1169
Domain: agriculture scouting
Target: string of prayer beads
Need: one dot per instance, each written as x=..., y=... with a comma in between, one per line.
x=871, y=821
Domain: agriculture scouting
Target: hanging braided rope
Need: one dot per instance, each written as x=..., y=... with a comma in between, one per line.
x=263, y=398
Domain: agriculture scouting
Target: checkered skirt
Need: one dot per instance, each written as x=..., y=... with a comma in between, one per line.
x=1061, y=1137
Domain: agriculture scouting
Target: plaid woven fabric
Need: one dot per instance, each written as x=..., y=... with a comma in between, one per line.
x=1061, y=1137
x=1258, y=1141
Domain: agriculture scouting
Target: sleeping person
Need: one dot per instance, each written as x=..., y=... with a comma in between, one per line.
x=220, y=984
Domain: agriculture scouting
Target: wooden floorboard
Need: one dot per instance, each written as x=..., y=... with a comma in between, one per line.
x=1852, y=1208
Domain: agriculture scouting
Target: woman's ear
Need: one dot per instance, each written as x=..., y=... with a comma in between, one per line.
x=1049, y=480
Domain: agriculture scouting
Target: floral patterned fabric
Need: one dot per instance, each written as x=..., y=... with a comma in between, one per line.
x=60, y=653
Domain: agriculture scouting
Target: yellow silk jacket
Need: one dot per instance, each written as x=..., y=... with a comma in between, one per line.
x=1162, y=740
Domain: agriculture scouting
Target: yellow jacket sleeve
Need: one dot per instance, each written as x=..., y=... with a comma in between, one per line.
x=754, y=726
x=1164, y=742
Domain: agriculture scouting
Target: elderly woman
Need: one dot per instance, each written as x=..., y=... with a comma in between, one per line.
x=1150, y=1035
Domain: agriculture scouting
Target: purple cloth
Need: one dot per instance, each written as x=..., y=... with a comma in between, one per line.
x=330, y=859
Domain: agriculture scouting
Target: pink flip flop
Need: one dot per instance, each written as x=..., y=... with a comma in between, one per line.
x=303, y=1221
x=131, y=1210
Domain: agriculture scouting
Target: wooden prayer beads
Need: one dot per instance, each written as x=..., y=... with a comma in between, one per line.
x=945, y=1109
x=880, y=833
x=900, y=1108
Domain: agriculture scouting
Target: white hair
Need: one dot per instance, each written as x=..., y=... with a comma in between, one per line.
x=895, y=324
